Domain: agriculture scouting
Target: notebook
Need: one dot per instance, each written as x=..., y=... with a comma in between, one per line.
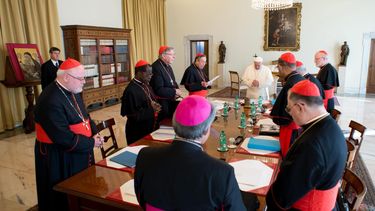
x=264, y=143
x=126, y=158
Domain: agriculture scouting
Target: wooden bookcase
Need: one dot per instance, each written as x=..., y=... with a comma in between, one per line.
x=105, y=54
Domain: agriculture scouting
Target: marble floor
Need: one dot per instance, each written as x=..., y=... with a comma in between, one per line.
x=17, y=176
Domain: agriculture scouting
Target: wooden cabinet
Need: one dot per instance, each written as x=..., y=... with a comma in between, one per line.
x=105, y=54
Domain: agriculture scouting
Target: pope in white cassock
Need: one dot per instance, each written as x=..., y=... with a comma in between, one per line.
x=258, y=78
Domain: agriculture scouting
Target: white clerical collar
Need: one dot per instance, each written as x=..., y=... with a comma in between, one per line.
x=316, y=118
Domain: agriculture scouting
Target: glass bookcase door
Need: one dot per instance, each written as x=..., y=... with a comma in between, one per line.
x=89, y=55
x=122, y=61
x=107, y=66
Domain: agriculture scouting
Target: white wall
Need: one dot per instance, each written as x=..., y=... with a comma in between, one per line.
x=325, y=25
x=105, y=13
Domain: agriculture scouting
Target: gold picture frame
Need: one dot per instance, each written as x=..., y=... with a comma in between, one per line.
x=282, y=29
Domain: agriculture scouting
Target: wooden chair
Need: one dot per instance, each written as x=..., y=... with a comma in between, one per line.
x=354, y=189
x=336, y=114
x=235, y=83
x=108, y=124
x=351, y=154
x=356, y=128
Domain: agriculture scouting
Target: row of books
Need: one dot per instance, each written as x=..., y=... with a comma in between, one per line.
x=122, y=57
x=106, y=49
x=106, y=42
x=109, y=68
x=91, y=70
x=91, y=82
x=121, y=42
x=106, y=81
x=122, y=79
x=121, y=48
x=88, y=49
x=86, y=42
x=107, y=59
x=90, y=59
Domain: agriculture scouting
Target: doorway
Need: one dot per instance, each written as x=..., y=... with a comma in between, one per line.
x=200, y=46
x=370, y=88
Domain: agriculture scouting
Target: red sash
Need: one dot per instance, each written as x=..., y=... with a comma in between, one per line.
x=318, y=200
x=285, y=136
x=202, y=93
x=79, y=129
x=328, y=95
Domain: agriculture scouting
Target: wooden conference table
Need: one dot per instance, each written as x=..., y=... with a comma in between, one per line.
x=94, y=188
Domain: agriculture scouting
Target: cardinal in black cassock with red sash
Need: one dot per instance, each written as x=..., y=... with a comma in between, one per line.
x=309, y=175
x=288, y=129
x=163, y=82
x=139, y=104
x=194, y=79
x=64, y=135
x=328, y=77
x=301, y=69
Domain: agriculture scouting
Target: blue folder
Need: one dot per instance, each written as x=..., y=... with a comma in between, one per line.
x=263, y=144
x=126, y=158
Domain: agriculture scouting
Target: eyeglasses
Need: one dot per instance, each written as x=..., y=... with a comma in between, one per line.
x=78, y=78
x=170, y=54
x=287, y=109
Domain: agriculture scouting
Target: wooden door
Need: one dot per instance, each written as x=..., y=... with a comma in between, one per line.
x=200, y=46
x=370, y=88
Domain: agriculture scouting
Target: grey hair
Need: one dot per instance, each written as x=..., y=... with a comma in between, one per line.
x=166, y=50
x=194, y=132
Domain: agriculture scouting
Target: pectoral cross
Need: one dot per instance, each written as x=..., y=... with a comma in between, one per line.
x=86, y=124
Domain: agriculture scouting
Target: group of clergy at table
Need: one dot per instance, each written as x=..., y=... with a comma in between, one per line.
x=181, y=176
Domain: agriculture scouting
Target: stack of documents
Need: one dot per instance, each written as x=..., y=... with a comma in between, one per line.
x=164, y=133
x=247, y=179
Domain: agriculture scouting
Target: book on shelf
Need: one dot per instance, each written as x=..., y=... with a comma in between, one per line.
x=106, y=49
x=86, y=42
x=96, y=81
x=121, y=42
x=91, y=70
x=106, y=42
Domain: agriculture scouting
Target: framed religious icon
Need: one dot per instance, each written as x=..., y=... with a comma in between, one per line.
x=25, y=60
x=282, y=29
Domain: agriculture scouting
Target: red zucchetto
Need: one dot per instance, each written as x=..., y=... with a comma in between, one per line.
x=288, y=57
x=141, y=63
x=69, y=64
x=299, y=64
x=306, y=88
x=162, y=49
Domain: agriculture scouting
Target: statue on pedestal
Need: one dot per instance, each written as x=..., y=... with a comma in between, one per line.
x=222, y=51
x=344, y=54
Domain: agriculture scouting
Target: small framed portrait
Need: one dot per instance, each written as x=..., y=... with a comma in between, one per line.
x=282, y=29
x=25, y=60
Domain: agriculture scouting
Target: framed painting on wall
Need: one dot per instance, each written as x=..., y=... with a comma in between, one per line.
x=25, y=60
x=282, y=29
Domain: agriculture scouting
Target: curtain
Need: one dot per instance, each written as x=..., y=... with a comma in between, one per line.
x=24, y=21
x=147, y=21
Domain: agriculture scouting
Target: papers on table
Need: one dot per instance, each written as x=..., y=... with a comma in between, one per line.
x=164, y=133
x=218, y=104
x=212, y=80
x=135, y=150
x=246, y=177
x=257, y=151
x=128, y=192
x=265, y=121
